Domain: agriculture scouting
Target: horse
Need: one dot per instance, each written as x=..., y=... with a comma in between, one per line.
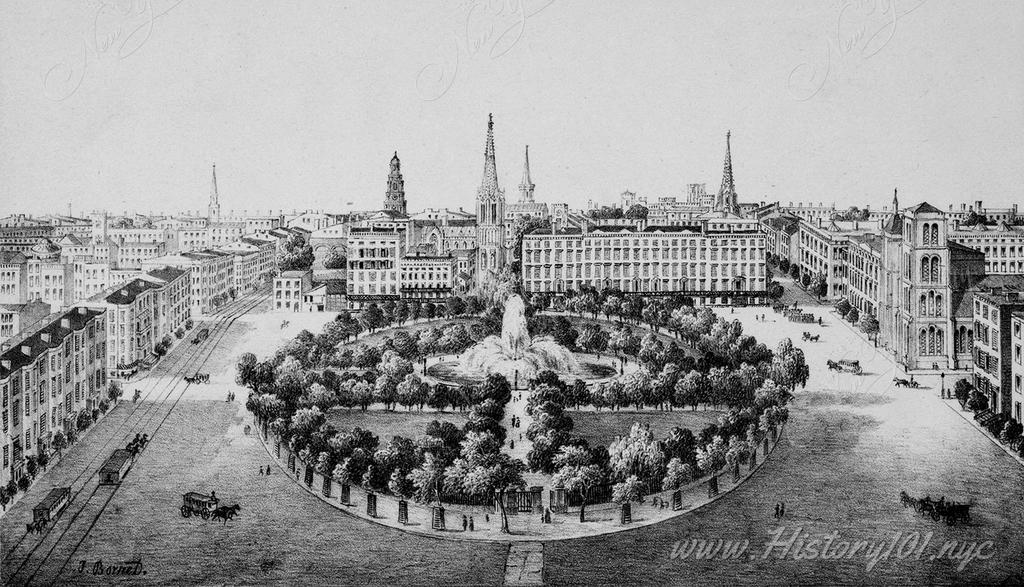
x=37, y=526
x=907, y=501
x=899, y=382
x=226, y=512
x=137, y=395
x=833, y=366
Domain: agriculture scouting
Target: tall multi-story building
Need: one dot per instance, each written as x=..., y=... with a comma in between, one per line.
x=20, y=233
x=212, y=276
x=994, y=347
x=140, y=313
x=720, y=262
x=47, y=377
x=1017, y=365
x=1002, y=243
x=490, y=214
x=374, y=258
x=254, y=261
x=427, y=277
x=13, y=277
x=290, y=289
x=17, y=317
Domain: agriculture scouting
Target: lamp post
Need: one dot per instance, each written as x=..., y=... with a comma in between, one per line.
x=942, y=385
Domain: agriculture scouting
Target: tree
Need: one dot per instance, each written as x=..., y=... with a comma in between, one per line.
x=372, y=317
x=677, y=475
x=483, y=470
x=59, y=442
x=411, y=391
x=114, y=391
x=775, y=290
x=577, y=473
x=869, y=324
x=335, y=259
x=853, y=315
x=637, y=212
x=295, y=255
x=627, y=490
x=843, y=307
x=819, y=286
x=711, y=457
x=962, y=390
x=638, y=453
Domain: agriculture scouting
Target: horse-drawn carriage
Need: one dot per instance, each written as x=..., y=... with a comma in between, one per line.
x=198, y=378
x=197, y=504
x=811, y=337
x=845, y=366
x=900, y=382
x=951, y=511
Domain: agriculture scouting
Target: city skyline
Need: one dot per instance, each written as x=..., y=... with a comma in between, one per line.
x=845, y=109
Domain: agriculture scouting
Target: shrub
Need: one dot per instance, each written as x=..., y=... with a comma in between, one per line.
x=843, y=307
x=104, y=406
x=24, y=483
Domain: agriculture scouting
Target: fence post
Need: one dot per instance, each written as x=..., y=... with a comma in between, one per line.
x=371, y=505
x=346, y=493
x=403, y=512
x=677, y=500
x=713, y=486
x=626, y=513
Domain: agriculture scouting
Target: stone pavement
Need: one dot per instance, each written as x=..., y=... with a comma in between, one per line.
x=525, y=564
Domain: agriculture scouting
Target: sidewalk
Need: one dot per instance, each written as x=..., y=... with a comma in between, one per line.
x=968, y=416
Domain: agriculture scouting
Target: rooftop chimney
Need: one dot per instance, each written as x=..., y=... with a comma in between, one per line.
x=45, y=336
x=26, y=350
x=65, y=323
x=6, y=364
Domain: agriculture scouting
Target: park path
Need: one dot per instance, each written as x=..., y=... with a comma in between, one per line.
x=525, y=564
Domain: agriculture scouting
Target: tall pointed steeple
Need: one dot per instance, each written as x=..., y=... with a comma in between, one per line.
x=394, y=197
x=895, y=201
x=490, y=180
x=526, y=186
x=213, y=210
x=490, y=213
x=727, y=201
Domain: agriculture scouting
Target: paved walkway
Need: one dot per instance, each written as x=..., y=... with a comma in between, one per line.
x=525, y=564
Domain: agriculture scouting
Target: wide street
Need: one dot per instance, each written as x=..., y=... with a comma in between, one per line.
x=852, y=443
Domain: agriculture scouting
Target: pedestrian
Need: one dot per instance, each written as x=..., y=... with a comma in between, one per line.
x=261, y=470
x=487, y=518
x=782, y=510
x=512, y=444
x=776, y=511
x=465, y=522
x=268, y=470
x=471, y=523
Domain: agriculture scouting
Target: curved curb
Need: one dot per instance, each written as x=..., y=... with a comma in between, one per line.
x=618, y=529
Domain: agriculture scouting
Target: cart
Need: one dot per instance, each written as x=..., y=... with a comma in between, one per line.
x=197, y=504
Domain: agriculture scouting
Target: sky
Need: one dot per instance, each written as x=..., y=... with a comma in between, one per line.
x=126, y=105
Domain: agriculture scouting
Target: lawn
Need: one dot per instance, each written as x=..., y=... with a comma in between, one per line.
x=387, y=424
x=601, y=428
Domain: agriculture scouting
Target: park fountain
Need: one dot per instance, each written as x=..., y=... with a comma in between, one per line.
x=514, y=354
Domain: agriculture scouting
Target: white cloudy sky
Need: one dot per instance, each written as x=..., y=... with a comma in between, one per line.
x=126, y=104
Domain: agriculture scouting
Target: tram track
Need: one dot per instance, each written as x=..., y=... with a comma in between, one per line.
x=162, y=389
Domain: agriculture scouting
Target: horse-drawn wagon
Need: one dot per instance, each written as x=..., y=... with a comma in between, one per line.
x=845, y=366
x=198, y=504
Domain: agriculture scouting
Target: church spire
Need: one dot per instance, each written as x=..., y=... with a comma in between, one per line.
x=490, y=180
x=727, y=193
x=526, y=186
x=895, y=201
x=214, y=205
